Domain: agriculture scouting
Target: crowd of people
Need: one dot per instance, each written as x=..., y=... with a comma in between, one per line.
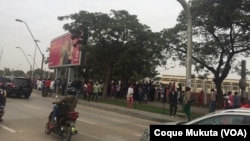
x=230, y=100
x=142, y=93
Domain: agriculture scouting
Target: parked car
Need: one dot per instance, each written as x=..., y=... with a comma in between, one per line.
x=239, y=116
x=19, y=86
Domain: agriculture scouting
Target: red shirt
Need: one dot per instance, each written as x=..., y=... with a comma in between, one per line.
x=89, y=87
x=245, y=105
x=47, y=83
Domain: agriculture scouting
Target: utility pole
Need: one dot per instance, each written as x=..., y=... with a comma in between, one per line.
x=189, y=42
x=26, y=59
x=242, y=82
x=19, y=20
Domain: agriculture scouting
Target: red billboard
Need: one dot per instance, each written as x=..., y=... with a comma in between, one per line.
x=63, y=52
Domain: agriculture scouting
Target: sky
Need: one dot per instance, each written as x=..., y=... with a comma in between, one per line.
x=41, y=18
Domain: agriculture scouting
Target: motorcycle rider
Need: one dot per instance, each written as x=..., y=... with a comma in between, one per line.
x=63, y=106
x=2, y=97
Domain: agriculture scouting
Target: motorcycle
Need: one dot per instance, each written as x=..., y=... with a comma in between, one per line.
x=1, y=112
x=65, y=126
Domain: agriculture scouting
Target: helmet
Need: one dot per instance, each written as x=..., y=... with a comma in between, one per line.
x=2, y=85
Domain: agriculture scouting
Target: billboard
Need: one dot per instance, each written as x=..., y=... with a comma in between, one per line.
x=63, y=53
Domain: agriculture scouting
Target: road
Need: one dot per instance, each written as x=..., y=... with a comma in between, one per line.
x=24, y=120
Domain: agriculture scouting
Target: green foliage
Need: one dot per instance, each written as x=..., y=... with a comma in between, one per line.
x=118, y=46
x=220, y=34
x=145, y=107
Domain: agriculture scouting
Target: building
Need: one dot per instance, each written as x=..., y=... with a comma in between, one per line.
x=205, y=84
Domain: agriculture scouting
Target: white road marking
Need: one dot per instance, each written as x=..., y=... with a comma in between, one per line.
x=113, y=119
x=93, y=123
x=137, y=135
x=7, y=128
x=140, y=125
x=31, y=106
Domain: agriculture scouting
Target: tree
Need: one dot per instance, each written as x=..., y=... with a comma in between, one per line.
x=220, y=33
x=112, y=41
x=7, y=72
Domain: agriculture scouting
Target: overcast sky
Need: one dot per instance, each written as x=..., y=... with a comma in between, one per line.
x=41, y=18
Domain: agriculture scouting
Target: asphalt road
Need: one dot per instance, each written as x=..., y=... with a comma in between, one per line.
x=24, y=120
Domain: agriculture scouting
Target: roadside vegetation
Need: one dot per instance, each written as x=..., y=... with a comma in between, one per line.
x=149, y=108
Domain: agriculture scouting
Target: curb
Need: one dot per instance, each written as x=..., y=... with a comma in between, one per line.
x=132, y=112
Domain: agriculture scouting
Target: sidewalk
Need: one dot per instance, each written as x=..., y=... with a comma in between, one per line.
x=143, y=114
x=194, y=109
x=140, y=113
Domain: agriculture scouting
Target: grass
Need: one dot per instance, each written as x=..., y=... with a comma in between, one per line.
x=149, y=108
x=144, y=107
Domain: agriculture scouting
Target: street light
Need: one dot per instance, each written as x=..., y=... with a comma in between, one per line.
x=18, y=20
x=25, y=56
x=33, y=59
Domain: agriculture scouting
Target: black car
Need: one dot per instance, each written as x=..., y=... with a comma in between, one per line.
x=19, y=86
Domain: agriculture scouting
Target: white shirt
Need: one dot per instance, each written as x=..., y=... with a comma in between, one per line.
x=52, y=85
x=130, y=90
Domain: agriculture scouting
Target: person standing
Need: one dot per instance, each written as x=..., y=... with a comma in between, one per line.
x=152, y=93
x=173, y=101
x=236, y=100
x=187, y=103
x=95, y=91
x=212, y=104
x=140, y=91
x=39, y=84
x=78, y=86
x=158, y=92
x=200, y=98
x=63, y=87
x=58, y=87
x=89, y=90
x=231, y=98
x=130, y=96
x=84, y=90
x=52, y=86
x=118, y=90
x=47, y=86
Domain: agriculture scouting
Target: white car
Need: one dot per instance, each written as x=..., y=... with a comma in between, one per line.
x=240, y=116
